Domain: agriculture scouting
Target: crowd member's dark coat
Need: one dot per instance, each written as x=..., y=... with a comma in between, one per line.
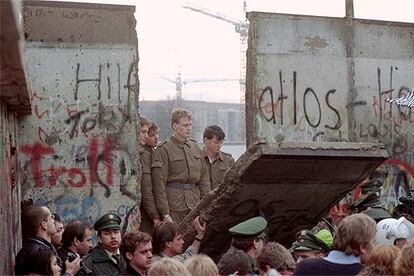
x=99, y=262
x=23, y=265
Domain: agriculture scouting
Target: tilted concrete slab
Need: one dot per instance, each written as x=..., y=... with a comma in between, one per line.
x=291, y=184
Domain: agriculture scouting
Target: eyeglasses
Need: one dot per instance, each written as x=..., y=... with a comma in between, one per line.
x=52, y=217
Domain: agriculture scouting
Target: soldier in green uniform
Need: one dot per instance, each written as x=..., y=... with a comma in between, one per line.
x=135, y=215
x=179, y=173
x=149, y=212
x=309, y=245
x=249, y=236
x=218, y=162
x=105, y=258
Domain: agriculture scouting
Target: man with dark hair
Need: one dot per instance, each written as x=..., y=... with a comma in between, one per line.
x=38, y=226
x=149, y=213
x=168, y=241
x=232, y=262
x=57, y=236
x=248, y=236
x=136, y=249
x=76, y=239
x=179, y=174
x=218, y=162
x=105, y=259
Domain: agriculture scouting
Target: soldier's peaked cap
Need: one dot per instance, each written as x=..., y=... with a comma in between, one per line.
x=249, y=228
x=108, y=221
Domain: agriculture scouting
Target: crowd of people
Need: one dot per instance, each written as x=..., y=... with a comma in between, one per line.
x=175, y=176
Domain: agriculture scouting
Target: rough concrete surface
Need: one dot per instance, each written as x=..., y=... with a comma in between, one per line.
x=325, y=79
x=79, y=150
x=291, y=184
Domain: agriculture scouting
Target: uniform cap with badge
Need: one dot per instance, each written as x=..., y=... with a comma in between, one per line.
x=307, y=241
x=109, y=221
x=251, y=228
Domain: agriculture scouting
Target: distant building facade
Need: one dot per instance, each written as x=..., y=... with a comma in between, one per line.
x=229, y=116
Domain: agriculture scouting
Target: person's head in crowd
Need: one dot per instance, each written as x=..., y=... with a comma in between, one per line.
x=201, y=265
x=168, y=239
x=213, y=139
x=181, y=123
x=249, y=235
x=234, y=262
x=153, y=135
x=38, y=221
x=109, y=233
x=168, y=266
x=276, y=256
x=77, y=237
x=136, y=248
x=57, y=236
x=355, y=236
x=404, y=265
x=309, y=245
x=381, y=261
x=43, y=261
x=144, y=125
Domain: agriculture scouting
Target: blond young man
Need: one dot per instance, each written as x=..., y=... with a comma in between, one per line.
x=179, y=174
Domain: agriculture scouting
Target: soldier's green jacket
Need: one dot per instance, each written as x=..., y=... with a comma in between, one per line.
x=218, y=167
x=179, y=162
x=147, y=199
x=99, y=262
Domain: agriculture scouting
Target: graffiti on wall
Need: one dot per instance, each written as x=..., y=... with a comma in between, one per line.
x=312, y=115
x=78, y=155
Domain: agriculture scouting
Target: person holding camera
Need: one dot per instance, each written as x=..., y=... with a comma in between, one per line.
x=38, y=226
x=76, y=239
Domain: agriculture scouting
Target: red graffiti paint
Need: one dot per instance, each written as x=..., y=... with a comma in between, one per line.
x=36, y=152
x=93, y=159
x=75, y=177
x=108, y=161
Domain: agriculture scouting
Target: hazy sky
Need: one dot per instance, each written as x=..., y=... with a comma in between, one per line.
x=171, y=37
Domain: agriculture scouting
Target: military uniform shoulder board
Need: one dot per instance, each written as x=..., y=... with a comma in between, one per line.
x=193, y=140
x=163, y=143
x=225, y=153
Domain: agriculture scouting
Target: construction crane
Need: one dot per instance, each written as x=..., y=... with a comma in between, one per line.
x=241, y=27
x=179, y=82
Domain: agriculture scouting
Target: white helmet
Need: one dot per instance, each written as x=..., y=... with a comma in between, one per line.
x=390, y=229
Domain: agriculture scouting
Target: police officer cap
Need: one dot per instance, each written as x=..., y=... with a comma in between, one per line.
x=251, y=227
x=108, y=221
x=307, y=241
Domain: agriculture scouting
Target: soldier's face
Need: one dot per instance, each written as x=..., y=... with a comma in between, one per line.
x=110, y=239
x=152, y=139
x=213, y=145
x=141, y=258
x=143, y=134
x=302, y=255
x=182, y=129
